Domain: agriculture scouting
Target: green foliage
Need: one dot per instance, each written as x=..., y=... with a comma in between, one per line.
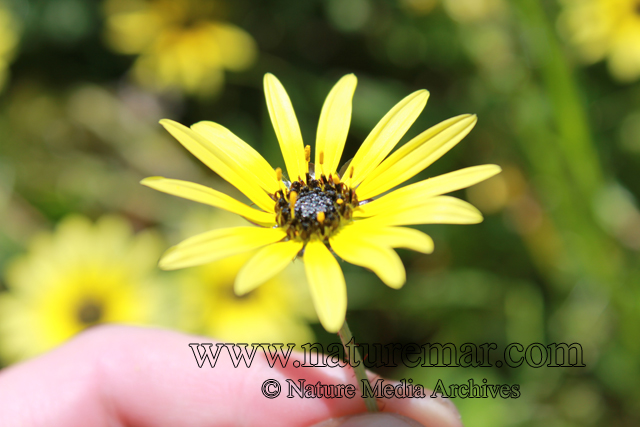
x=556, y=259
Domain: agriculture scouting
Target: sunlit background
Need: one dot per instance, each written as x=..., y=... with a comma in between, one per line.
x=555, y=84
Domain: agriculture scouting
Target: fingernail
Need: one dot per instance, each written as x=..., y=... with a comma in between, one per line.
x=432, y=412
x=447, y=403
x=371, y=420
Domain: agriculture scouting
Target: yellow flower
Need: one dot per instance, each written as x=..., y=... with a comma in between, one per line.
x=608, y=29
x=179, y=45
x=278, y=311
x=271, y=313
x=318, y=210
x=9, y=37
x=79, y=276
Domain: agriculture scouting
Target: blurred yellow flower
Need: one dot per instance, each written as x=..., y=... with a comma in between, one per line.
x=9, y=37
x=79, y=276
x=179, y=45
x=278, y=311
x=319, y=211
x=602, y=29
x=275, y=312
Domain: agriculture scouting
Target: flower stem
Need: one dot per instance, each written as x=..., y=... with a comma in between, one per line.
x=353, y=355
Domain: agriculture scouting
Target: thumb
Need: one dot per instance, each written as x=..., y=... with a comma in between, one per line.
x=371, y=420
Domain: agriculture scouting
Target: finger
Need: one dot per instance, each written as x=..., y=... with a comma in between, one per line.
x=371, y=420
x=118, y=375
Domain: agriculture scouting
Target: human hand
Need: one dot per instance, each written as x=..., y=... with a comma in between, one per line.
x=126, y=376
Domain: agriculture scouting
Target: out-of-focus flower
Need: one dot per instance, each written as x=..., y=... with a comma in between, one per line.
x=319, y=210
x=602, y=29
x=274, y=312
x=278, y=311
x=179, y=43
x=9, y=37
x=81, y=275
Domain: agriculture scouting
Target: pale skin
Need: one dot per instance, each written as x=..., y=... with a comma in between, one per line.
x=124, y=376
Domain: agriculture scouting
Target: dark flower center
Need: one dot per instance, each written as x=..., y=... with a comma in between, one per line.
x=314, y=207
x=311, y=202
x=89, y=312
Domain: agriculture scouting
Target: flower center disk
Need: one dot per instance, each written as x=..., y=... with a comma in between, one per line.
x=317, y=207
x=89, y=312
x=311, y=203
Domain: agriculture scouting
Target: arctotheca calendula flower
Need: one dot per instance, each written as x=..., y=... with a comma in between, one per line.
x=182, y=44
x=81, y=275
x=316, y=212
x=280, y=310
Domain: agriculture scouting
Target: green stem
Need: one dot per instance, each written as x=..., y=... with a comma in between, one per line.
x=575, y=141
x=355, y=361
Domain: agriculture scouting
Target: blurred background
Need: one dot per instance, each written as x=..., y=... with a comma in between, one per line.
x=556, y=87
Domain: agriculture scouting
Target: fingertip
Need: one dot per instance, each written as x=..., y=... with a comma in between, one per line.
x=429, y=411
x=371, y=420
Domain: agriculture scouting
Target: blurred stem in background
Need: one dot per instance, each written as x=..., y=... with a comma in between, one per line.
x=575, y=142
x=568, y=161
x=601, y=290
x=593, y=279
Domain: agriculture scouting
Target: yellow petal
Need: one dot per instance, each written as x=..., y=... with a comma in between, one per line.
x=395, y=237
x=220, y=163
x=434, y=210
x=386, y=135
x=382, y=260
x=417, y=154
x=255, y=165
x=328, y=288
x=201, y=194
x=265, y=264
x=415, y=193
x=285, y=123
x=333, y=126
x=218, y=244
